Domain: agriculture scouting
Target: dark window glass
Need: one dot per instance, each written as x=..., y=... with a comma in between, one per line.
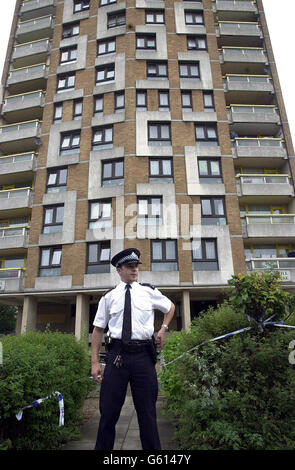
x=164, y=255
x=204, y=254
x=98, y=257
x=50, y=261
x=112, y=172
x=57, y=180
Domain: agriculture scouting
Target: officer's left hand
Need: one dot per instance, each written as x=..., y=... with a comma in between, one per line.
x=160, y=338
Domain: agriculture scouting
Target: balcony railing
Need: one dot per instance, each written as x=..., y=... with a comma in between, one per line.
x=252, y=79
x=235, y=3
x=24, y=73
x=258, y=142
x=8, y=273
x=17, y=157
x=263, y=179
x=287, y=265
x=42, y=21
x=253, y=109
x=242, y=54
x=24, y=98
x=16, y=192
x=272, y=219
x=20, y=126
x=14, y=231
x=239, y=28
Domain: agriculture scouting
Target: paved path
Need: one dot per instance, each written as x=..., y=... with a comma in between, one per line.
x=127, y=430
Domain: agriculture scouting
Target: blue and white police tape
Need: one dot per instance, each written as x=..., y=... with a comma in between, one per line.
x=19, y=415
x=227, y=335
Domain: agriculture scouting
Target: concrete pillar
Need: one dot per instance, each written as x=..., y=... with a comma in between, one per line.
x=19, y=318
x=82, y=316
x=29, y=316
x=185, y=310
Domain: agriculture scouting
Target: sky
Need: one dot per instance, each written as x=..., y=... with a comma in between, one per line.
x=280, y=24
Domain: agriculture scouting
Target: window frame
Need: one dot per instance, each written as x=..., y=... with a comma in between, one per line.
x=105, y=221
x=206, y=126
x=160, y=176
x=141, y=107
x=204, y=259
x=209, y=174
x=154, y=13
x=156, y=64
x=54, y=222
x=96, y=98
x=106, y=68
x=164, y=260
x=196, y=38
x=85, y=5
x=166, y=93
x=68, y=29
x=76, y=115
x=208, y=108
x=103, y=143
x=189, y=107
x=113, y=178
x=71, y=148
x=189, y=65
x=213, y=215
x=68, y=50
x=66, y=77
x=106, y=2
x=150, y=218
x=106, y=42
x=103, y=244
x=57, y=119
x=117, y=108
x=118, y=16
x=58, y=171
x=50, y=266
x=195, y=14
x=146, y=37
x=159, y=138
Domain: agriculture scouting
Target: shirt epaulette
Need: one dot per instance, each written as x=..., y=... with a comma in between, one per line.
x=146, y=284
x=109, y=290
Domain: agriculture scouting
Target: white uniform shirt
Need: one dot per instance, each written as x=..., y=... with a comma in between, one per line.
x=144, y=300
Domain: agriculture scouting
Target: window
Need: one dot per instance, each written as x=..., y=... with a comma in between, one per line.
x=81, y=5
x=68, y=55
x=102, y=137
x=159, y=133
x=105, y=73
x=186, y=100
x=164, y=255
x=50, y=261
x=98, y=105
x=197, y=43
x=204, y=254
x=65, y=82
x=77, y=109
x=194, y=17
x=57, y=180
x=213, y=211
x=69, y=30
x=189, y=70
x=116, y=19
x=209, y=171
x=154, y=17
x=157, y=70
x=206, y=134
x=112, y=172
x=100, y=214
x=141, y=100
x=163, y=97
x=98, y=257
x=119, y=101
x=160, y=170
x=53, y=219
x=70, y=143
x=146, y=41
x=106, y=46
x=57, y=114
x=106, y=2
x=149, y=210
x=208, y=101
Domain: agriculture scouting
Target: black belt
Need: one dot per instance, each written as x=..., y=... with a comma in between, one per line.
x=132, y=346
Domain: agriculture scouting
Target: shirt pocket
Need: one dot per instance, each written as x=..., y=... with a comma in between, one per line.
x=143, y=309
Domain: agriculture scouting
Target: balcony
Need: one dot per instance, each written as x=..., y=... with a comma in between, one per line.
x=278, y=226
x=253, y=119
x=245, y=10
x=11, y=279
x=264, y=147
x=19, y=137
x=240, y=59
x=265, y=185
x=16, y=166
x=18, y=198
x=286, y=266
x=239, y=33
x=248, y=89
x=27, y=79
x=30, y=53
x=36, y=8
x=27, y=106
x=37, y=28
x=14, y=237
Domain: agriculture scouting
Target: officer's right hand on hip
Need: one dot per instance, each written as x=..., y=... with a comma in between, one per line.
x=97, y=372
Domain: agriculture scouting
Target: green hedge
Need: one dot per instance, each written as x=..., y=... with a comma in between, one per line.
x=34, y=366
x=233, y=394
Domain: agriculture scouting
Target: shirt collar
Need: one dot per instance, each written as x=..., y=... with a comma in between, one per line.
x=122, y=285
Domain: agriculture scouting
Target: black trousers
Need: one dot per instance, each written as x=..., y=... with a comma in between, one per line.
x=138, y=369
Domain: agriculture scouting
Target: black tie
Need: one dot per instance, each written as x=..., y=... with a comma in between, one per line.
x=126, y=331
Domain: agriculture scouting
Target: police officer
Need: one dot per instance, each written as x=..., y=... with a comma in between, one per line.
x=128, y=310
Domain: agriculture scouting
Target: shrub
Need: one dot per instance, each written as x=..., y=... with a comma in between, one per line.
x=34, y=366
x=233, y=394
x=7, y=319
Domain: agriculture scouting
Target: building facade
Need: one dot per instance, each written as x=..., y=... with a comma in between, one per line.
x=151, y=124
